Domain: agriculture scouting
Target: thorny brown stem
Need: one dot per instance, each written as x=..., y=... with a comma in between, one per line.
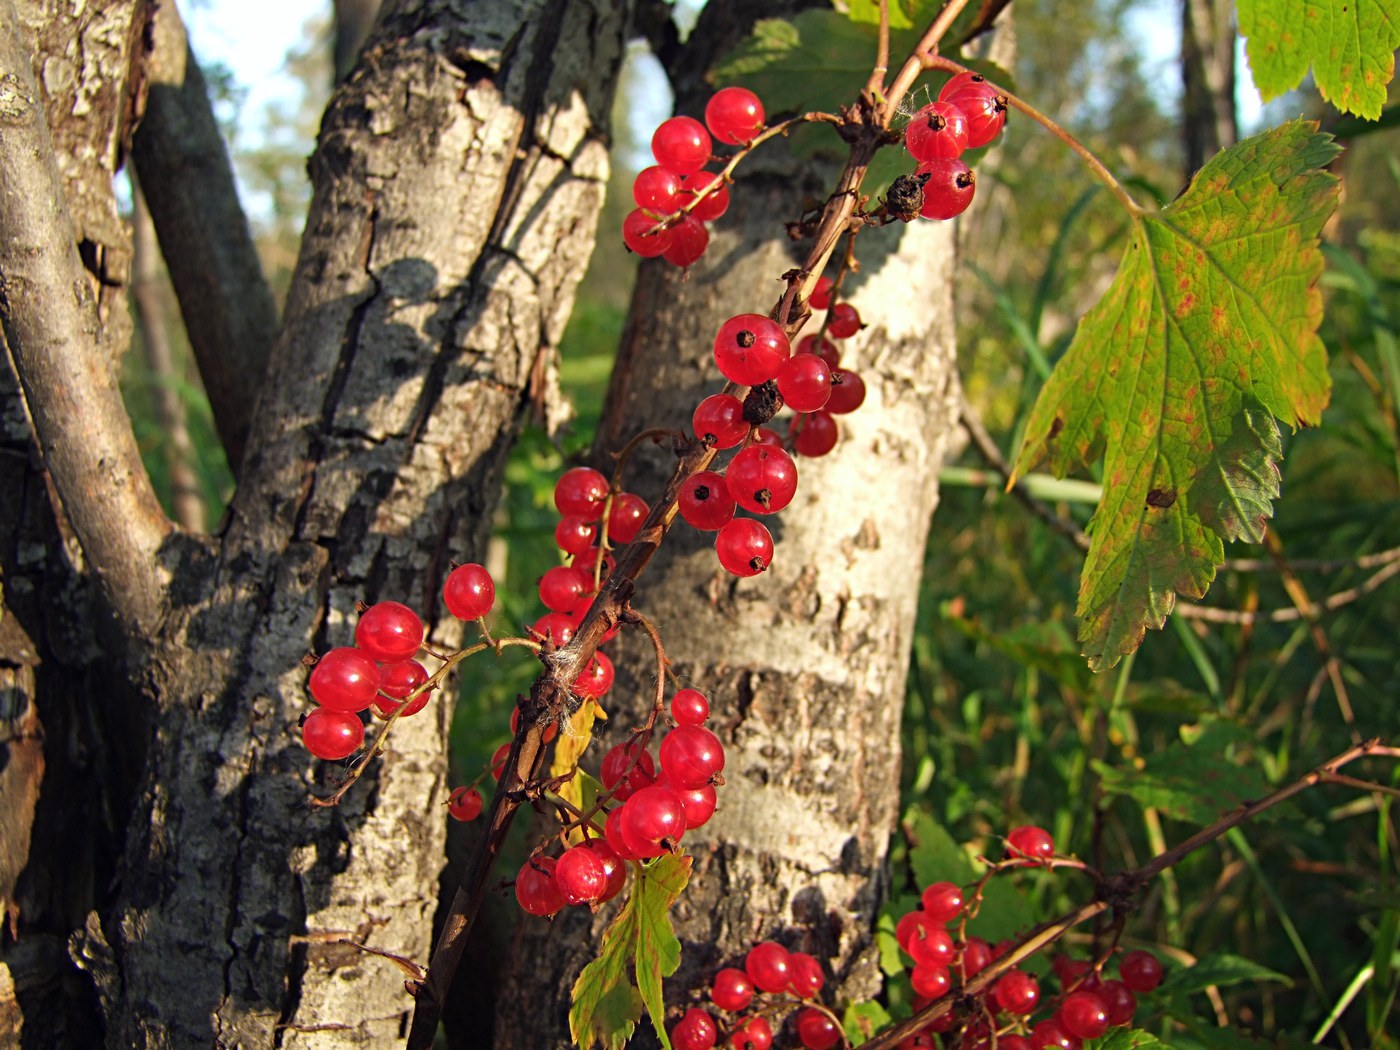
x=1117, y=891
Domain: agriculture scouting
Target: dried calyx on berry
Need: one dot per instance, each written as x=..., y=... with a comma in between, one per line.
x=905, y=197
x=762, y=403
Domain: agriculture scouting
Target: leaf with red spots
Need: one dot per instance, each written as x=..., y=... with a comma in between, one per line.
x=1350, y=45
x=1208, y=330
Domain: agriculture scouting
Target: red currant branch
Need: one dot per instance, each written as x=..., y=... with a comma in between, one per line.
x=875, y=86
x=1117, y=891
x=914, y=64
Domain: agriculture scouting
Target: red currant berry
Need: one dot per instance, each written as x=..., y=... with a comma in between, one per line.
x=912, y=924
x=689, y=239
x=1118, y=1000
x=847, y=393
x=931, y=946
x=699, y=804
x=1073, y=972
x=1017, y=992
x=764, y=436
x=984, y=106
x=695, y=1031
x=654, y=815
x=575, y=534
x=817, y=1031
x=562, y=586
x=762, y=479
x=622, y=759
x=595, y=679
x=469, y=592
x=768, y=965
x=581, y=491
x=745, y=547
x=389, y=631
x=345, y=679
x=498, y=760
x=643, y=234
x=821, y=293
x=815, y=434
x=613, y=867
x=957, y=82
x=691, y=756
x=579, y=875
x=705, y=502
x=1013, y=1042
x=657, y=190
x=397, y=680
x=734, y=115
x=931, y=982
x=625, y=519
x=1048, y=1035
x=1141, y=971
x=732, y=990
x=752, y=1033
x=805, y=382
x=822, y=347
x=612, y=836
x=750, y=348
x=681, y=144
x=1083, y=1015
x=1030, y=842
x=949, y=189
x=558, y=627
x=975, y=956
x=719, y=421
x=937, y=132
x=805, y=977
x=712, y=191
x=536, y=889
x=942, y=901
x=689, y=707
x=464, y=804
x=332, y=735
x=843, y=321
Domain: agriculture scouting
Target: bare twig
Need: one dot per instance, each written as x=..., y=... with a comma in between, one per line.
x=49, y=323
x=1362, y=561
x=1292, y=614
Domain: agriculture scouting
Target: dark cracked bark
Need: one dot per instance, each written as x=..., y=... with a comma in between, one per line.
x=804, y=664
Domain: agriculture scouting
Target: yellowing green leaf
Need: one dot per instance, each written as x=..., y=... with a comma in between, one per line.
x=1208, y=329
x=639, y=950
x=1350, y=45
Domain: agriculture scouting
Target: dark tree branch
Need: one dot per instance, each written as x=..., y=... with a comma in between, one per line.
x=50, y=326
x=185, y=171
x=353, y=21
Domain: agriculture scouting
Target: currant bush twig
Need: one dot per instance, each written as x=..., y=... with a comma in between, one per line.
x=662, y=664
x=1116, y=892
x=875, y=86
x=1085, y=154
x=1210, y=614
x=926, y=48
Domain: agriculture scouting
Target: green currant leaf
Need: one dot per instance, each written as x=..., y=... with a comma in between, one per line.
x=1350, y=45
x=817, y=60
x=1220, y=971
x=606, y=1003
x=862, y=1020
x=1208, y=330
x=1128, y=1039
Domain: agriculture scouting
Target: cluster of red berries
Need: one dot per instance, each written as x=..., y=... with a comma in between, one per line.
x=654, y=812
x=770, y=968
x=1086, y=1007
x=676, y=196
x=379, y=671
x=969, y=113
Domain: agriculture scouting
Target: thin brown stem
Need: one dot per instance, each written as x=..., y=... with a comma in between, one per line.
x=875, y=86
x=917, y=60
x=1292, y=613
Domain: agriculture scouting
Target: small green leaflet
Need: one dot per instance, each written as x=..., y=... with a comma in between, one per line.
x=1219, y=971
x=1128, y=1039
x=863, y=1020
x=1350, y=45
x=1208, y=330
x=606, y=1003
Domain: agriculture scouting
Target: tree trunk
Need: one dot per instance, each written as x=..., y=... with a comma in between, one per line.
x=1208, y=121
x=457, y=182
x=804, y=664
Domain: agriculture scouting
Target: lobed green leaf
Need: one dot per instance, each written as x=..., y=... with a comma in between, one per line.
x=1208, y=330
x=1219, y=971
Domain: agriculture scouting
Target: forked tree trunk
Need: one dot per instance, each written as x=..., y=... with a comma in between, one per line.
x=804, y=664
x=457, y=182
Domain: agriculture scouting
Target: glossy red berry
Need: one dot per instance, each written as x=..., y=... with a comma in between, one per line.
x=654, y=815
x=765, y=436
x=931, y=945
x=596, y=678
x=389, y=631
x=469, y=592
x=984, y=107
x=750, y=348
x=768, y=965
x=843, y=321
x=643, y=234
x=536, y=889
x=625, y=519
x=464, y=804
x=581, y=491
x=937, y=132
x=745, y=547
x=332, y=735
x=498, y=760
x=805, y=977
x=345, y=679
x=1013, y=1042
x=712, y=192
x=575, y=534
x=804, y=380
x=580, y=876
x=691, y=756
x=762, y=479
x=732, y=989
x=1083, y=1015
x=1118, y=1000
x=752, y=1033
x=562, y=586
x=657, y=190
x=974, y=956
x=815, y=434
x=613, y=867
x=705, y=502
x=558, y=627
x=622, y=759
x=942, y=901
x=1017, y=992
x=847, y=393
x=1048, y=1035
x=910, y=925
x=821, y=293
x=681, y=144
x=689, y=707
x=1031, y=843
x=719, y=420
x=397, y=680
x=695, y=1031
x=734, y=115
x=699, y=804
x=689, y=239
x=1140, y=971
x=931, y=982
x=949, y=189
x=817, y=1031
x=822, y=347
